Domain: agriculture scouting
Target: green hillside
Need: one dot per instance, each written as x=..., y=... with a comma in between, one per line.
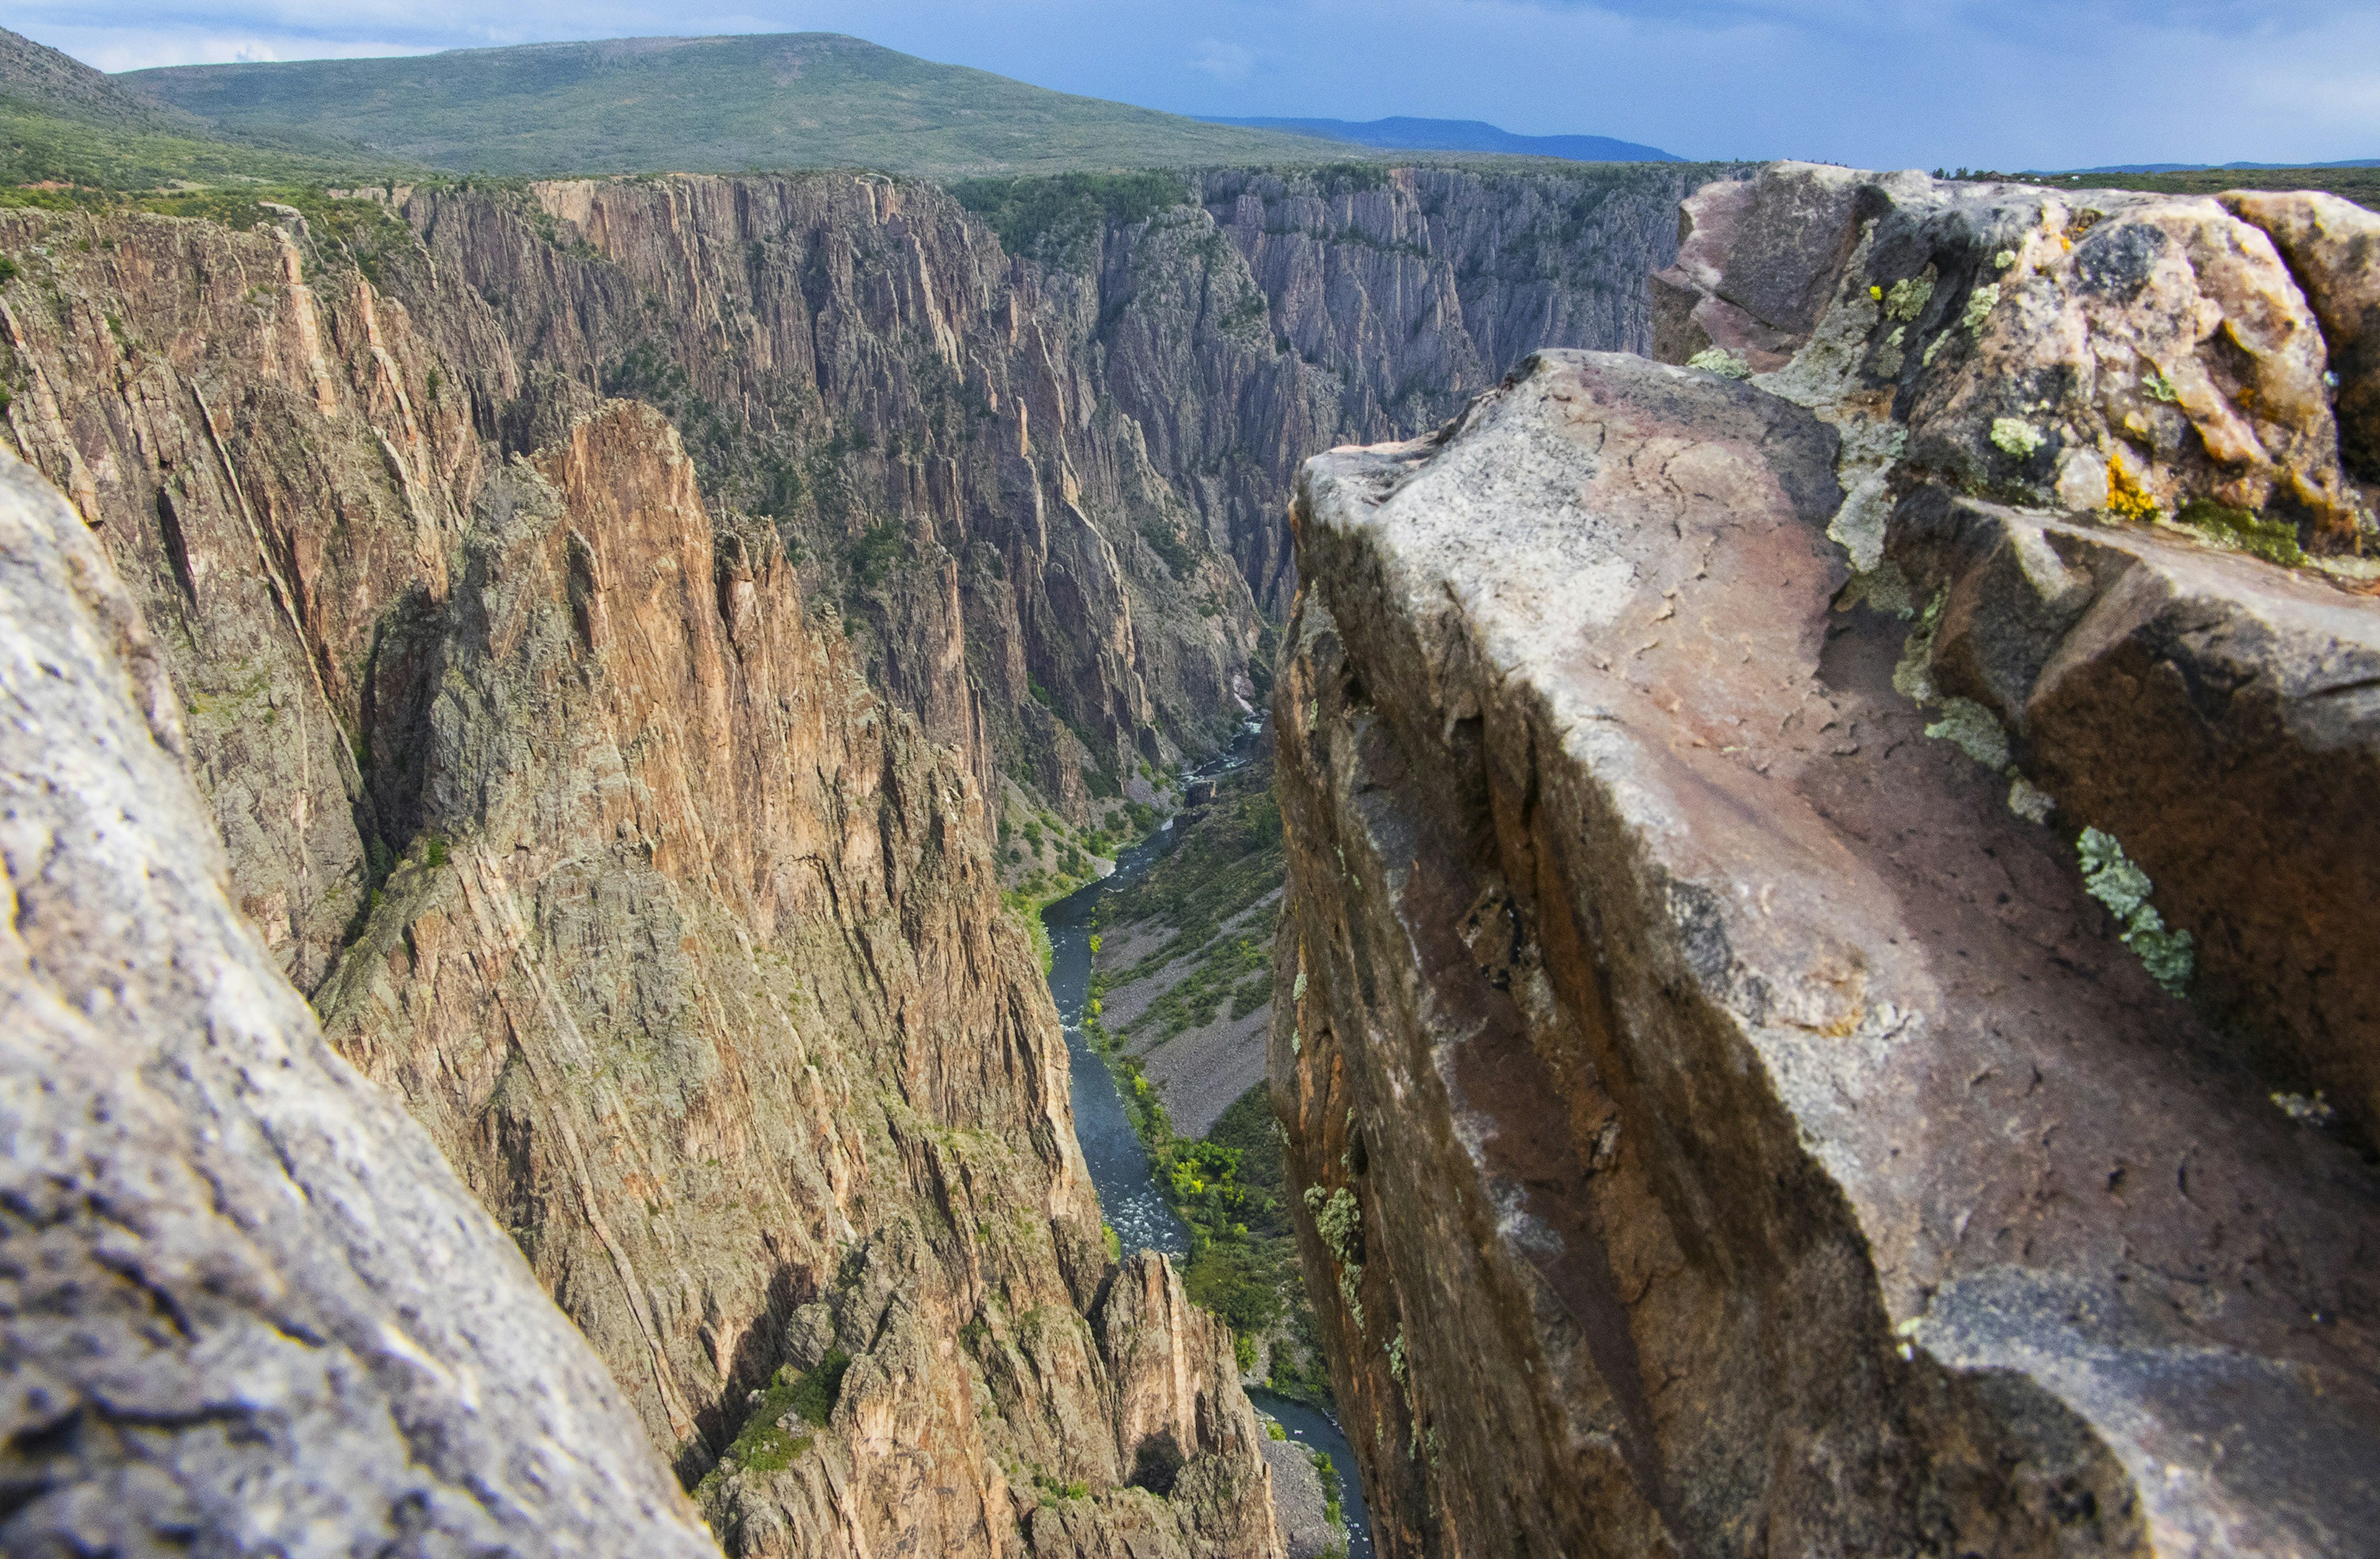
x=61, y=122
x=703, y=105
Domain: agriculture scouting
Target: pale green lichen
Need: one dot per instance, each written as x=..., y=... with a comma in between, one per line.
x=1970, y=727
x=1914, y=677
x=2115, y=880
x=2003, y=260
x=1932, y=347
x=2157, y=386
x=1889, y=357
x=1859, y=525
x=2019, y=438
x=1397, y=1356
x=2275, y=540
x=2314, y=1111
x=1980, y=303
x=1340, y=1223
x=1720, y=360
x=1297, y=987
x=2029, y=801
x=1337, y=1219
x=1907, y=299
x=1885, y=588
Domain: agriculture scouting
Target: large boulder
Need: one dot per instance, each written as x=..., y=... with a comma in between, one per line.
x=248, y=1308
x=2333, y=246
x=1722, y=1118
x=2098, y=349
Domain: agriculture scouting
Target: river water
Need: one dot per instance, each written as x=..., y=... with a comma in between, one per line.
x=1129, y=1199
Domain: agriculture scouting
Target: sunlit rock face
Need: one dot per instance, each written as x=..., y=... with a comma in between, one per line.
x=248, y=1300
x=564, y=793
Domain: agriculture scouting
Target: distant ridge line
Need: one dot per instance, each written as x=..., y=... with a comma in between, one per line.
x=1408, y=134
x=2213, y=167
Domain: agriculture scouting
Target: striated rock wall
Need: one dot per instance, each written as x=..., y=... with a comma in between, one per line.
x=246, y=1300
x=701, y=977
x=681, y=941
x=1781, y=1042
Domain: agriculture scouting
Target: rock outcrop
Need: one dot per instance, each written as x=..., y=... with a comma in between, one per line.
x=247, y=1302
x=1820, y=1009
x=700, y=976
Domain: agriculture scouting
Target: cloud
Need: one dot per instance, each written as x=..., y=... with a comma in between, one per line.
x=1225, y=62
x=1890, y=83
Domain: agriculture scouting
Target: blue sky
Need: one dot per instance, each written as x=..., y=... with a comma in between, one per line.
x=1881, y=83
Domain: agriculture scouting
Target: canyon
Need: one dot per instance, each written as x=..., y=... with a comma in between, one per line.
x=602, y=627
x=1815, y=725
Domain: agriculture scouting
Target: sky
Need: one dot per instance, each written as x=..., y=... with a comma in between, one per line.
x=1875, y=83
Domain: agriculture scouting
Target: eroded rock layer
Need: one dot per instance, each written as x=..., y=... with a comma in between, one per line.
x=1725, y=1121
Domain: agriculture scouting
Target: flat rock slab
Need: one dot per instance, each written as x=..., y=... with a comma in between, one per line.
x=2217, y=715
x=1721, y=1122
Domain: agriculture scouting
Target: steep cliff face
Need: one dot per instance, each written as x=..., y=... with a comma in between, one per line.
x=1398, y=294
x=1781, y=1046
x=620, y=789
x=701, y=977
x=277, y=472
x=683, y=942
x=246, y=1298
x=854, y=361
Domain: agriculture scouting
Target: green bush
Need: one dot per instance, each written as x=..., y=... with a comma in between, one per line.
x=817, y=1391
x=872, y=554
x=1063, y=221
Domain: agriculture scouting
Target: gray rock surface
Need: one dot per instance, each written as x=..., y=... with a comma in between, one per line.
x=2218, y=716
x=1306, y=1529
x=1720, y=1123
x=249, y=1308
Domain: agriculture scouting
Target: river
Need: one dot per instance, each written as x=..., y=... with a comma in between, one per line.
x=1129, y=1199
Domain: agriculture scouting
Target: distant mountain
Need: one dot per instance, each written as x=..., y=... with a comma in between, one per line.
x=1462, y=135
x=62, y=85
x=61, y=122
x=728, y=104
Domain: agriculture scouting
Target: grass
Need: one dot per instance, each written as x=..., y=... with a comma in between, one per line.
x=64, y=124
x=704, y=106
x=765, y=1443
x=38, y=147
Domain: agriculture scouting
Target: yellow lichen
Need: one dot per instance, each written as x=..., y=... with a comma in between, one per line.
x=2127, y=499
